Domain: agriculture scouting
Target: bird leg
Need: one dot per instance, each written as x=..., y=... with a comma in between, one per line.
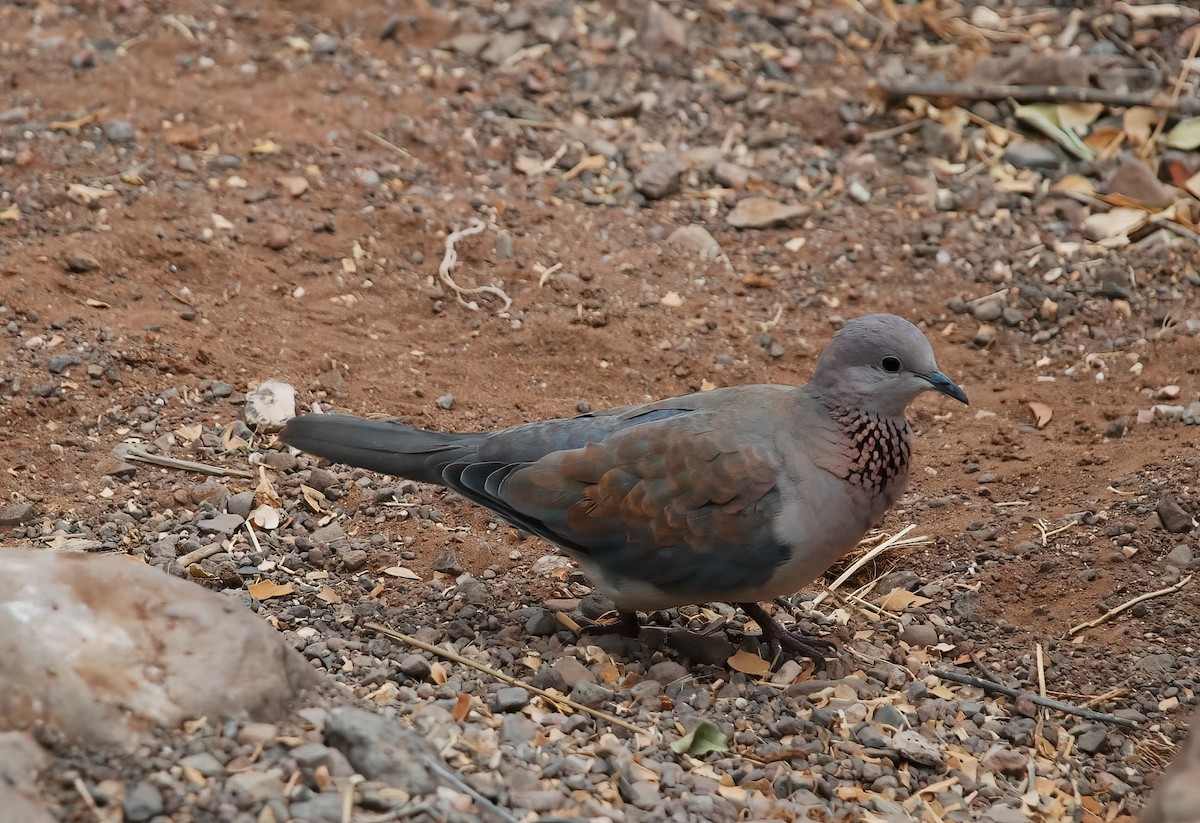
x=814, y=648
x=626, y=625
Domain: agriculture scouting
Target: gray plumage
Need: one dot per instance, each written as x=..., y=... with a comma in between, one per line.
x=738, y=494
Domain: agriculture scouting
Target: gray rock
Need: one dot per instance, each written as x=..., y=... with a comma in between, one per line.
x=446, y=402
x=120, y=131
x=143, y=802
x=354, y=560
x=220, y=388
x=573, y=672
x=15, y=514
x=503, y=46
x=240, y=504
x=416, y=666
x=919, y=634
x=592, y=695
x=1025, y=154
x=1181, y=556
x=660, y=177
x=203, y=762
x=325, y=807
x=448, y=563
x=251, y=787
x=517, y=728
x=695, y=239
x=1092, y=741
x=224, y=524
x=381, y=750
x=321, y=480
x=988, y=311
x=912, y=746
x=542, y=623
x=1173, y=516
x=667, y=671
x=80, y=262
x=331, y=535
x=511, y=699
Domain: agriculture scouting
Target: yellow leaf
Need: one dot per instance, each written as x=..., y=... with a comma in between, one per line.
x=328, y=595
x=748, y=663
x=189, y=434
x=266, y=589
x=13, y=212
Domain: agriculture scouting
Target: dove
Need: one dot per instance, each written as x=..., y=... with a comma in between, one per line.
x=739, y=494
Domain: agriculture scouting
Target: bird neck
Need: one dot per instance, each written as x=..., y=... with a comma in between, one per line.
x=879, y=447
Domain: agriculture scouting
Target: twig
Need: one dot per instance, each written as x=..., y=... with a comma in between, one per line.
x=512, y=681
x=201, y=553
x=1048, y=533
x=1176, y=90
x=387, y=144
x=1128, y=604
x=1037, y=699
x=894, y=131
x=908, y=87
x=450, y=260
x=450, y=776
x=894, y=540
x=125, y=451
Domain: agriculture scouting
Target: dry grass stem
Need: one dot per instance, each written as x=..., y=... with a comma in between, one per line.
x=450, y=260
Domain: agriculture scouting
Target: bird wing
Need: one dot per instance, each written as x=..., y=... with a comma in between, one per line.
x=684, y=499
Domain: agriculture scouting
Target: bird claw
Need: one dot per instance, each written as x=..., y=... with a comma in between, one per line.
x=626, y=625
x=816, y=649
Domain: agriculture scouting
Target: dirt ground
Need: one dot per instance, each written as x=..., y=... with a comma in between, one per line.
x=199, y=198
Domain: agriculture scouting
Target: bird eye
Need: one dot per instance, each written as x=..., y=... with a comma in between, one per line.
x=891, y=365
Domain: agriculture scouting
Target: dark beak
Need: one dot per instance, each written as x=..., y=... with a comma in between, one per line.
x=946, y=386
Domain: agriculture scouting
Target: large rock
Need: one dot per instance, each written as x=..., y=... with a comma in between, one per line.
x=104, y=648
x=20, y=761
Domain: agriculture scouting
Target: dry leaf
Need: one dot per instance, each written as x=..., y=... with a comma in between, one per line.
x=74, y=125
x=462, y=707
x=1074, y=184
x=749, y=663
x=93, y=303
x=1185, y=135
x=402, y=572
x=231, y=442
x=1139, y=123
x=266, y=589
x=265, y=147
x=327, y=595
x=188, y=434
x=1048, y=119
x=1118, y=222
x=313, y=498
x=1042, y=414
x=264, y=493
x=437, y=673
x=897, y=600
x=13, y=212
x=1078, y=115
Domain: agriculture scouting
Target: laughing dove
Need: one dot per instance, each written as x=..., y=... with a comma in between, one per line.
x=738, y=494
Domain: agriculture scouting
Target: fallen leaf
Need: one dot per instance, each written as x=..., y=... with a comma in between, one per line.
x=327, y=595
x=749, y=663
x=437, y=673
x=264, y=493
x=462, y=707
x=402, y=572
x=1042, y=414
x=701, y=740
x=13, y=212
x=897, y=600
x=263, y=147
x=1116, y=222
x=189, y=433
x=1139, y=122
x=93, y=303
x=266, y=589
x=1185, y=135
x=1048, y=119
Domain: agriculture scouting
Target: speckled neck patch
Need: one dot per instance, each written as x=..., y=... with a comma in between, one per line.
x=880, y=445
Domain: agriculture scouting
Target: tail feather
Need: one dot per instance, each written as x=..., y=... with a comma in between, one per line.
x=379, y=445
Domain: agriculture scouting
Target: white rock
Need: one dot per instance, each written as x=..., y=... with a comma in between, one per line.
x=270, y=405
x=105, y=648
x=696, y=239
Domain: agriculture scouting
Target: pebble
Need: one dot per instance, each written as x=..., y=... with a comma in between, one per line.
x=143, y=802
x=1026, y=154
x=919, y=634
x=120, y=131
x=590, y=694
x=446, y=401
x=1174, y=518
x=81, y=262
x=223, y=524
x=761, y=212
x=660, y=177
x=416, y=666
x=511, y=699
x=16, y=513
x=278, y=236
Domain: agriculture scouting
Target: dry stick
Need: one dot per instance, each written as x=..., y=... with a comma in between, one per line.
x=1176, y=90
x=124, y=451
x=509, y=679
x=387, y=144
x=1128, y=604
x=1037, y=699
x=907, y=87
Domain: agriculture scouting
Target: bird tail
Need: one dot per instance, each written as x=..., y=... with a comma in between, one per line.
x=379, y=445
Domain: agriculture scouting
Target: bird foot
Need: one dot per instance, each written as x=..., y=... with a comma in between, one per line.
x=814, y=648
x=626, y=625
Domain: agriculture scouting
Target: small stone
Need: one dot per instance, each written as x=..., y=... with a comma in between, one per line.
x=251, y=787
x=731, y=175
x=761, y=212
x=416, y=666
x=120, y=131
x=590, y=694
x=270, y=404
x=1001, y=758
x=354, y=560
x=660, y=177
x=278, y=236
x=448, y=563
x=322, y=480
x=81, y=262
x=988, y=311
x=573, y=672
x=60, y=363
x=503, y=46
x=695, y=239
x=511, y=699
x=504, y=245
x=240, y=504
x=542, y=623
x=143, y=802
x=919, y=634
x=1174, y=518
x=667, y=671
x=1181, y=556
x=1025, y=154
x=223, y=524
x=446, y=401
x=858, y=193
x=203, y=762
x=912, y=746
x=1092, y=741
